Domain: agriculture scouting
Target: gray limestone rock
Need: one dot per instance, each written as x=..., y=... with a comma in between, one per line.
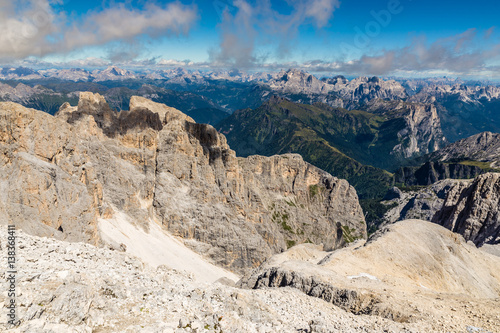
x=60, y=175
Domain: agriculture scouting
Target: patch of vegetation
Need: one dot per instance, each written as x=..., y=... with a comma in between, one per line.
x=374, y=212
x=412, y=188
x=347, y=234
x=482, y=165
x=282, y=219
x=290, y=203
x=313, y=190
x=290, y=243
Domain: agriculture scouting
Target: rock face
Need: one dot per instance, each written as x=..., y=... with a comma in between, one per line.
x=363, y=89
x=297, y=81
x=420, y=204
x=462, y=92
x=431, y=172
x=46, y=186
x=468, y=207
x=482, y=147
x=410, y=257
x=61, y=175
x=421, y=133
x=474, y=211
x=336, y=91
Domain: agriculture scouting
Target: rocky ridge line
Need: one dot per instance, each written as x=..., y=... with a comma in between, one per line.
x=61, y=175
x=468, y=207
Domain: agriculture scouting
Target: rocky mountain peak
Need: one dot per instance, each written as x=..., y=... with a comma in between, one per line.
x=92, y=103
x=297, y=81
x=482, y=147
x=165, y=113
x=115, y=71
x=68, y=176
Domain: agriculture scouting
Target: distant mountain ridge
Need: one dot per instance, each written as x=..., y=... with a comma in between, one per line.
x=354, y=145
x=465, y=108
x=464, y=159
x=483, y=147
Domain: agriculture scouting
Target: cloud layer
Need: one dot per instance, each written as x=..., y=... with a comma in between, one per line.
x=462, y=54
x=246, y=27
x=34, y=28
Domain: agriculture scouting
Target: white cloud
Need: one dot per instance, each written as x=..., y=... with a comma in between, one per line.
x=321, y=11
x=245, y=28
x=33, y=28
x=462, y=54
x=175, y=63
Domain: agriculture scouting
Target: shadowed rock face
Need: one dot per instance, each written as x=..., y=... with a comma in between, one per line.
x=112, y=123
x=431, y=172
x=468, y=207
x=60, y=175
x=474, y=211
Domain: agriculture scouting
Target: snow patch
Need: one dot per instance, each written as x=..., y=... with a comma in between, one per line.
x=158, y=247
x=362, y=275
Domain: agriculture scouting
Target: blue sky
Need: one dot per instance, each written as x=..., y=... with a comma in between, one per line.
x=382, y=37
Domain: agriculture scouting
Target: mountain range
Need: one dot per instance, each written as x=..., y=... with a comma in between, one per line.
x=374, y=132
x=143, y=219
x=464, y=108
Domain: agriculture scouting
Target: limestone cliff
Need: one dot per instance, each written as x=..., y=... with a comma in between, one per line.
x=483, y=147
x=60, y=176
x=468, y=207
x=474, y=211
x=431, y=172
x=421, y=133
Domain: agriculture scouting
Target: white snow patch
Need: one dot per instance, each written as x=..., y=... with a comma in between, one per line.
x=361, y=275
x=158, y=247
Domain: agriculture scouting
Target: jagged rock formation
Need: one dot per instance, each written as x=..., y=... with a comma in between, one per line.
x=20, y=92
x=461, y=92
x=410, y=257
x=468, y=207
x=421, y=133
x=363, y=90
x=112, y=73
x=61, y=175
x=75, y=287
x=431, y=172
x=474, y=211
x=482, y=147
x=421, y=203
x=337, y=91
x=297, y=81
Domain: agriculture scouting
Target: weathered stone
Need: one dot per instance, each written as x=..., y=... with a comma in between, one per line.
x=154, y=163
x=468, y=207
